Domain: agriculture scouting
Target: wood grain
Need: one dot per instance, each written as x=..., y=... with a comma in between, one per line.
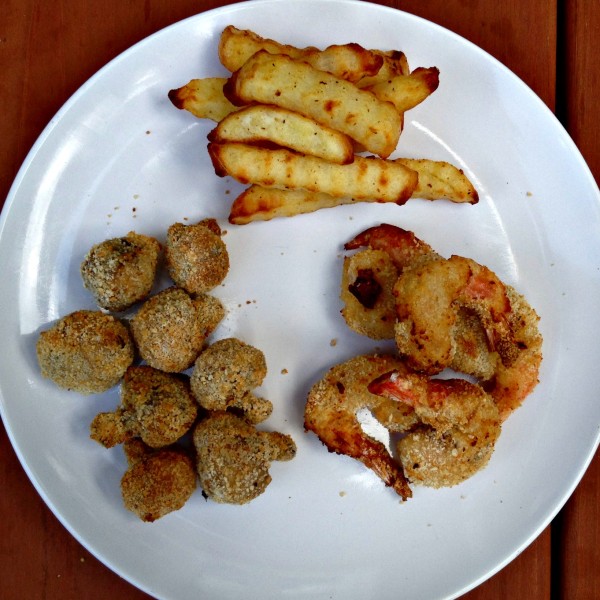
x=49, y=49
x=579, y=76
x=504, y=30
x=576, y=530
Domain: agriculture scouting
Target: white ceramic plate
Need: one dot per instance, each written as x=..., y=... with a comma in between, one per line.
x=119, y=156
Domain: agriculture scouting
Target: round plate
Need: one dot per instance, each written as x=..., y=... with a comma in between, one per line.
x=119, y=157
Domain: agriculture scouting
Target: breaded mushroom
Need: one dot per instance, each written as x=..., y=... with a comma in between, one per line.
x=233, y=457
x=251, y=407
x=196, y=256
x=121, y=271
x=170, y=328
x=210, y=312
x=225, y=372
x=155, y=406
x=85, y=351
x=157, y=482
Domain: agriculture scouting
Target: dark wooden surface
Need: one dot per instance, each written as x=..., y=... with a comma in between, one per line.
x=48, y=49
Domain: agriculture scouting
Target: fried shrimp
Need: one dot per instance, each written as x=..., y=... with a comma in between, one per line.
x=155, y=406
x=368, y=277
x=445, y=313
x=196, y=256
x=512, y=383
x=120, y=271
x=428, y=299
x=157, y=482
x=170, y=328
x=507, y=371
x=233, y=457
x=459, y=426
x=331, y=413
x=85, y=351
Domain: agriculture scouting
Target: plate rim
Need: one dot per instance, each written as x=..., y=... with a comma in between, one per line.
x=73, y=98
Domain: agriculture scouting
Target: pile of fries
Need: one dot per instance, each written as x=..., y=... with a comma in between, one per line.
x=309, y=129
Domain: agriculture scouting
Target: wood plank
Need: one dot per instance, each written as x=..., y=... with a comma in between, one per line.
x=530, y=571
x=504, y=30
x=38, y=557
x=577, y=526
x=580, y=77
x=578, y=535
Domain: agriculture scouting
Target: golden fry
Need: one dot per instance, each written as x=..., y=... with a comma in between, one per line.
x=258, y=203
x=394, y=63
x=336, y=103
x=262, y=122
x=236, y=46
x=406, y=91
x=204, y=98
x=437, y=180
x=347, y=61
x=441, y=180
x=372, y=178
x=290, y=122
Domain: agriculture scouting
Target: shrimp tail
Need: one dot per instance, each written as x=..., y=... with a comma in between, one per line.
x=379, y=237
x=347, y=439
x=403, y=246
x=389, y=472
x=375, y=457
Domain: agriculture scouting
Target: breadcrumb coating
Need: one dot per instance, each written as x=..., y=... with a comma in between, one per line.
x=233, y=457
x=170, y=328
x=210, y=312
x=85, y=351
x=460, y=427
x=196, y=256
x=121, y=271
x=135, y=450
x=368, y=279
x=225, y=371
x=157, y=482
x=251, y=407
x=158, y=407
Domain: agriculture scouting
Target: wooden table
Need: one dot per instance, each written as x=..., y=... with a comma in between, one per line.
x=48, y=49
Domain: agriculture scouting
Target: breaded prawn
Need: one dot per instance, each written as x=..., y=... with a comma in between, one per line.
x=331, y=413
x=459, y=426
x=368, y=277
x=447, y=313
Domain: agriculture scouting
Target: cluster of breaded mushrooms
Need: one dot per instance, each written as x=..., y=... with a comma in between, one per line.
x=175, y=427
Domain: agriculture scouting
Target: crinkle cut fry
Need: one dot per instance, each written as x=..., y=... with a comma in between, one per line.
x=365, y=178
x=277, y=79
